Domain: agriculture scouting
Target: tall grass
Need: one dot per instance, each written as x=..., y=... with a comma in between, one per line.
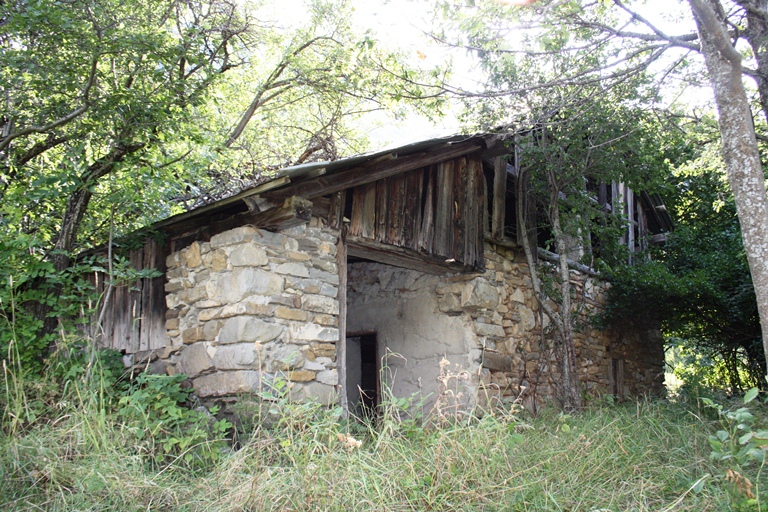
x=648, y=455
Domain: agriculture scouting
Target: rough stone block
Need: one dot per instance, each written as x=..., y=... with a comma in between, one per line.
x=328, y=320
x=192, y=335
x=517, y=296
x=251, y=306
x=227, y=383
x=234, y=236
x=328, y=277
x=194, y=360
x=287, y=357
x=301, y=376
x=527, y=317
x=287, y=313
x=192, y=255
x=208, y=314
x=320, y=304
x=245, y=281
x=314, y=332
x=297, y=256
x=215, y=260
x=330, y=377
x=173, y=286
x=304, y=285
x=248, y=328
x=248, y=255
x=480, y=294
x=324, y=350
x=239, y=356
x=292, y=269
x=211, y=329
x=489, y=330
x=321, y=393
x=329, y=290
x=314, y=366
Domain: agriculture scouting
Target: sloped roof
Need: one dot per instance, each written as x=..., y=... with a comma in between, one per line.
x=298, y=173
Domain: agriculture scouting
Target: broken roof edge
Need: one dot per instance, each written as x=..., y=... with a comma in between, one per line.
x=493, y=143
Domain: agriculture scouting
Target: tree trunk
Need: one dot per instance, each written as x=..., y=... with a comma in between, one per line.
x=740, y=153
x=756, y=33
x=570, y=379
x=568, y=387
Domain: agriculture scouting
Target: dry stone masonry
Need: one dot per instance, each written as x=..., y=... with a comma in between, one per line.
x=251, y=306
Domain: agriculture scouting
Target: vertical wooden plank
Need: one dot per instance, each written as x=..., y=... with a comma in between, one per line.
x=120, y=309
x=472, y=220
x=135, y=294
x=499, y=197
x=369, y=211
x=157, y=334
x=460, y=183
x=444, y=210
x=478, y=256
x=336, y=209
x=630, y=212
x=355, y=222
x=147, y=300
x=396, y=213
x=341, y=346
x=412, y=220
x=382, y=209
x=427, y=230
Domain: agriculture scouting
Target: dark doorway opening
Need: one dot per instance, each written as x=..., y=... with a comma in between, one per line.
x=362, y=373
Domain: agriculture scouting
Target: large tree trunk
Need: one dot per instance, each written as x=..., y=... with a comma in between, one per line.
x=740, y=153
x=756, y=33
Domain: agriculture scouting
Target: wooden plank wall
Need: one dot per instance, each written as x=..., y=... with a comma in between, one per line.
x=436, y=210
x=135, y=317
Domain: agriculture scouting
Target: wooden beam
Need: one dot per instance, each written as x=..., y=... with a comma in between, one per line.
x=404, y=258
x=294, y=212
x=341, y=345
x=370, y=172
x=499, y=197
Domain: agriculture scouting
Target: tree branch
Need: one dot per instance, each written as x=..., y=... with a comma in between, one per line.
x=62, y=120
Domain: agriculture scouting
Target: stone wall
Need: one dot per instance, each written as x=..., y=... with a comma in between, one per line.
x=251, y=306
x=402, y=307
x=491, y=329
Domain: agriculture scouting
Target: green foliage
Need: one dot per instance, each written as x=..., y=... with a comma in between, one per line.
x=26, y=282
x=698, y=285
x=636, y=456
x=165, y=428
x=740, y=443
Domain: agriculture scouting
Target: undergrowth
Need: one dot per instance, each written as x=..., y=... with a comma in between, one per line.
x=141, y=446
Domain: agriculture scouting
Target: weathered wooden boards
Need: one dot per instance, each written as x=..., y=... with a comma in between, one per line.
x=135, y=319
x=437, y=211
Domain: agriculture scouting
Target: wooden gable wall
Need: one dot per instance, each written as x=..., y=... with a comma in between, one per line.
x=437, y=212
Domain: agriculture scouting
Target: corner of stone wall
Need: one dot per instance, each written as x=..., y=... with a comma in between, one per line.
x=252, y=306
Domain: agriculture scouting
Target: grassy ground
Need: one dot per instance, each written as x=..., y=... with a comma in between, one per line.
x=632, y=456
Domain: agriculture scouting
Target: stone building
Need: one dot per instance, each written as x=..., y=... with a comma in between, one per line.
x=391, y=270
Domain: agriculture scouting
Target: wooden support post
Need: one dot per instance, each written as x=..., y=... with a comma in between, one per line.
x=341, y=345
x=499, y=198
x=336, y=209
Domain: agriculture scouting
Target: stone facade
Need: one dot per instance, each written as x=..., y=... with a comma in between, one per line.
x=491, y=329
x=250, y=306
